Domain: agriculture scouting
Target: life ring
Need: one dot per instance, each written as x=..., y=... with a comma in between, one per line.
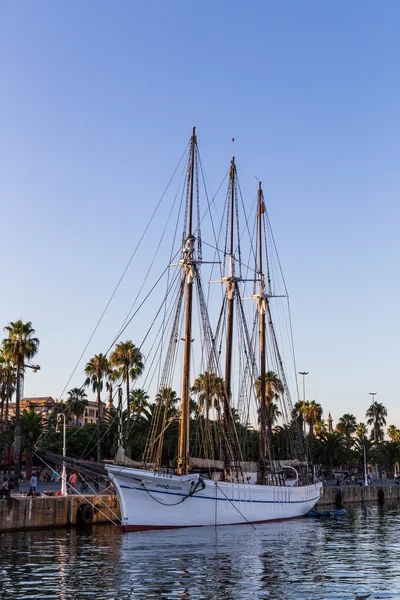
x=84, y=515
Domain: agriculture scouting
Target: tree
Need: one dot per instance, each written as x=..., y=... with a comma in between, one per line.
x=96, y=370
x=273, y=387
x=361, y=429
x=209, y=389
x=281, y=441
x=330, y=451
x=166, y=400
x=393, y=433
x=298, y=412
x=20, y=346
x=320, y=427
x=77, y=402
x=312, y=414
x=156, y=431
x=362, y=442
x=388, y=454
x=376, y=416
x=32, y=425
x=129, y=360
x=7, y=385
x=347, y=425
x=112, y=378
x=273, y=413
x=138, y=400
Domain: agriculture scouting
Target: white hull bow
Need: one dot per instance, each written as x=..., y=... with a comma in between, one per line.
x=151, y=500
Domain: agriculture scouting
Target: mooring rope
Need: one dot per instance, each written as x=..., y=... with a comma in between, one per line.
x=83, y=496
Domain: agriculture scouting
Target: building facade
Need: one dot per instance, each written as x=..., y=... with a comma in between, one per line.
x=90, y=414
x=40, y=404
x=46, y=405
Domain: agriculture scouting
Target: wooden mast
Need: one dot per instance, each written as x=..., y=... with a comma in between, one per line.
x=187, y=262
x=230, y=297
x=261, y=299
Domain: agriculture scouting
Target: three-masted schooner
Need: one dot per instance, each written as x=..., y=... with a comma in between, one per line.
x=206, y=491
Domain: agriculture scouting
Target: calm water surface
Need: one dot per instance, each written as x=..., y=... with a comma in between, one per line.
x=301, y=559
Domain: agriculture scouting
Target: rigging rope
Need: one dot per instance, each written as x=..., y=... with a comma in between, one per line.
x=123, y=273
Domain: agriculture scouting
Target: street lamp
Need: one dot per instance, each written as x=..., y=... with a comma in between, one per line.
x=373, y=394
x=34, y=368
x=304, y=373
x=365, y=468
x=64, y=469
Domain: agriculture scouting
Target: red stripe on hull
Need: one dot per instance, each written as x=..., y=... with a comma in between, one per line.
x=126, y=528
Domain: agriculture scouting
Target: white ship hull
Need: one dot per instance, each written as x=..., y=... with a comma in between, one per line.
x=152, y=500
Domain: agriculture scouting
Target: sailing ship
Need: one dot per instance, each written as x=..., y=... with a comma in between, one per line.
x=219, y=487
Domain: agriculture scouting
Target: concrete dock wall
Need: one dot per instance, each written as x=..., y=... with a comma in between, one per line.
x=21, y=513
x=358, y=494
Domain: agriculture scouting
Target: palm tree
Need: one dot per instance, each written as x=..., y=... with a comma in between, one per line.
x=163, y=415
x=388, y=455
x=282, y=441
x=361, y=429
x=96, y=370
x=320, y=427
x=347, y=425
x=77, y=402
x=361, y=442
x=129, y=359
x=377, y=414
x=10, y=377
x=209, y=390
x=167, y=398
x=32, y=425
x=273, y=387
x=138, y=400
x=393, y=433
x=312, y=414
x=112, y=378
x=273, y=413
x=298, y=414
x=3, y=395
x=20, y=346
x=330, y=451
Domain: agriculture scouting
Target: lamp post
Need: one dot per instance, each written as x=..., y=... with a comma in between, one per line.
x=17, y=431
x=303, y=374
x=64, y=469
x=365, y=468
x=373, y=394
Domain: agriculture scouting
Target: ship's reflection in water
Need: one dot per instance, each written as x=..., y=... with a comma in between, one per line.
x=299, y=559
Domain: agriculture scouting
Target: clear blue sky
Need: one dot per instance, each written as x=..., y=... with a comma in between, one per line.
x=97, y=104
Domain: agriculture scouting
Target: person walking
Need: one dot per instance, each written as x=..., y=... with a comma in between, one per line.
x=73, y=478
x=33, y=486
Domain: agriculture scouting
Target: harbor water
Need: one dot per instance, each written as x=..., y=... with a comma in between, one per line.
x=293, y=560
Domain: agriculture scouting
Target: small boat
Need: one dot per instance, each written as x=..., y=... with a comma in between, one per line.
x=327, y=514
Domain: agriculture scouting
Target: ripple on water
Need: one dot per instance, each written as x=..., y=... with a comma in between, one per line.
x=296, y=560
